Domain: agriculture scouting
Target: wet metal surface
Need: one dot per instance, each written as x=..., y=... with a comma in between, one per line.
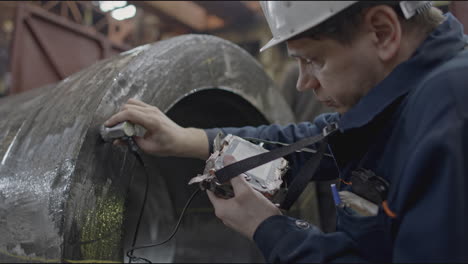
x=64, y=194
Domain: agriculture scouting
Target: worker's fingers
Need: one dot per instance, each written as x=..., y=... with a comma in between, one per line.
x=220, y=205
x=228, y=159
x=133, y=101
x=113, y=120
x=152, y=110
x=134, y=107
x=214, y=199
x=211, y=195
x=134, y=116
x=239, y=184
x=117, y=118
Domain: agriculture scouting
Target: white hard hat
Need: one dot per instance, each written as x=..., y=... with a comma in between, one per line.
x=287, y=19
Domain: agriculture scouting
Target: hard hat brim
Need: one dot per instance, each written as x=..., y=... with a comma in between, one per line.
x=288, y=20
x=271, y=43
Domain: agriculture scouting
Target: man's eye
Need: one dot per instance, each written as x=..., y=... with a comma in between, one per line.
x=308, y=61
x=314, y=62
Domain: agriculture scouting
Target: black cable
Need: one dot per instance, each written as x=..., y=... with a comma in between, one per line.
x=134, y=148
x=175, y=229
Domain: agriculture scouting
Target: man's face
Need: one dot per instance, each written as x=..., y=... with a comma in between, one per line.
x=340, y=75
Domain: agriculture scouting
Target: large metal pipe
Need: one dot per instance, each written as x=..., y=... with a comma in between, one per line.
x=65, y=195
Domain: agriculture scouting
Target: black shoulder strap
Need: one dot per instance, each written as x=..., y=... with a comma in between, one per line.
x=232, y=170
x=304, y=176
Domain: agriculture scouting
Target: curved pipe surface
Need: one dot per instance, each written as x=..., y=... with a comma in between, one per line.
x=66, y=195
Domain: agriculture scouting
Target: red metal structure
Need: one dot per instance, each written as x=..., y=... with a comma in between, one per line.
x=47, y=48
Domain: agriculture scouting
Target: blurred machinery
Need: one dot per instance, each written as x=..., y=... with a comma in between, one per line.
x=93, y=30
x=53, y=39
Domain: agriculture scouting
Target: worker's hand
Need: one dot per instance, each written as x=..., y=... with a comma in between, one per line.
x=246, y=210
x=163, y=136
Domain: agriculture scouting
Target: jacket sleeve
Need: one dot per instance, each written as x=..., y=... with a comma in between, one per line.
x=283, y=239
x=434, y=209
x=287, y=134
x=432, y=192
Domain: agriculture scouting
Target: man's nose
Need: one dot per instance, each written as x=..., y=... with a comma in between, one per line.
x=307, y=82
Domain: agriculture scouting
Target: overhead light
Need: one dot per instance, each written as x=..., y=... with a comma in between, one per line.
x=124, y=12
x=107, y=6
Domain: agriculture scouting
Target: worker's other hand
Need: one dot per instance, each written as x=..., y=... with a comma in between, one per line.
x=246, y=210
x=163, y=136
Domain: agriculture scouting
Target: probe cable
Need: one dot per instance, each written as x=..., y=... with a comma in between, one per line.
x=134, y=148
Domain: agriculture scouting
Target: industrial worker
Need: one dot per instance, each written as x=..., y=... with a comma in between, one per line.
x=397, y=75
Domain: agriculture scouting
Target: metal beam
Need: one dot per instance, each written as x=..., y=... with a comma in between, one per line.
x=232, y=12
x=189, y=14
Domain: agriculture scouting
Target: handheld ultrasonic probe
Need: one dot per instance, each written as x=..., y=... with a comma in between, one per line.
x=125, y=130
x=121, y=130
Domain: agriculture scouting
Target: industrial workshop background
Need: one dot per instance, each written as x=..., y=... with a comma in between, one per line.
x=44, y=42
x=62, y=37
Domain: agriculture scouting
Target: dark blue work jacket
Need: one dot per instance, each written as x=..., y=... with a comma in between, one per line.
x=412, y=130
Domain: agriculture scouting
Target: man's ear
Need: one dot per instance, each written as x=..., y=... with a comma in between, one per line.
x=382, y=21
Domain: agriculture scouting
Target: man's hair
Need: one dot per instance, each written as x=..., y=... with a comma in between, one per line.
x=344, y=26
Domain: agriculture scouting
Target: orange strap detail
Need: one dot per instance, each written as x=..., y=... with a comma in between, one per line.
x=387, y=210
x=345, y=182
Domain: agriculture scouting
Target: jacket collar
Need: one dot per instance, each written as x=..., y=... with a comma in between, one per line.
x=442, y=44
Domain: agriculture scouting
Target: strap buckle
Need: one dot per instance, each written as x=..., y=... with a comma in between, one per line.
x=330, y=128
